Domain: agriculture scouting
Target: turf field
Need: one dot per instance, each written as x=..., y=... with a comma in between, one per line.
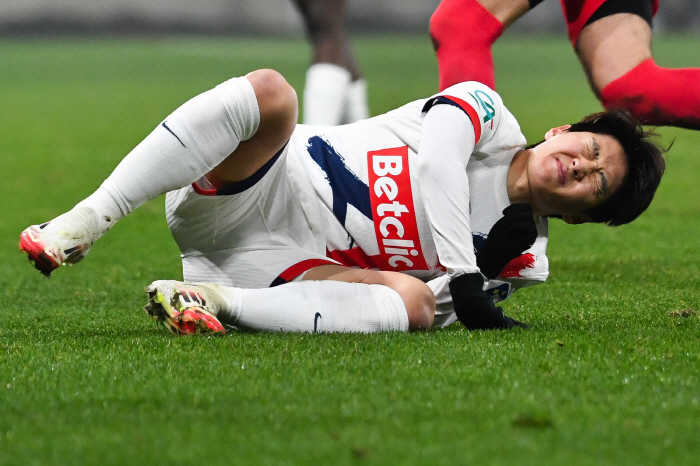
x=607, y=374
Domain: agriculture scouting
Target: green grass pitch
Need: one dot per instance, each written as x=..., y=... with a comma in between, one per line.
x=607, y=374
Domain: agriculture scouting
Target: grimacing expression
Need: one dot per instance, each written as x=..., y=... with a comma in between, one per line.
x=572, y=172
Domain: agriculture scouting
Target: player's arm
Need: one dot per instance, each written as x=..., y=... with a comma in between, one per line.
x=447, y=142
x=449, y=135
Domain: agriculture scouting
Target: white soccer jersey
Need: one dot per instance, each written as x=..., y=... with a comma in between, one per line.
x=356, y=189
x=366, y=179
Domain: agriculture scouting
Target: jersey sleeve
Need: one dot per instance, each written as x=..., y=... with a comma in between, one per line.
x=447, y=142
x=463, y=119
x=481, y=104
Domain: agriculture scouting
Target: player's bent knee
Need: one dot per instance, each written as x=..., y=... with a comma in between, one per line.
x=277, y=99
x=462, y=25
x=442, y=23
x=419, y=300
x=421, y=310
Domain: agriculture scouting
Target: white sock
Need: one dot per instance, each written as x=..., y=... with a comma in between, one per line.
x=191, y=141
x=105, y=206
x=356, y=102
x=324, y=94
x=315, y=306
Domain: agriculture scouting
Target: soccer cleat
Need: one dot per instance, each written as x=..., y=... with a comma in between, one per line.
x=184, y=308
x=64, y=240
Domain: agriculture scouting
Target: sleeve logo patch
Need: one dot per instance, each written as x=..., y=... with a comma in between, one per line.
x=488, y=107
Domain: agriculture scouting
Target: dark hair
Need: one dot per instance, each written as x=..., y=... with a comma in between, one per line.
x=645, y=165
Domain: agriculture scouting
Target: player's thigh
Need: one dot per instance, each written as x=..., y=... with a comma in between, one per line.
x=611, y=46
x=416, y=295
x=279, y=108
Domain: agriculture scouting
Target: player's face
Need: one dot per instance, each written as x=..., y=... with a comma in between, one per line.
x=570, y=173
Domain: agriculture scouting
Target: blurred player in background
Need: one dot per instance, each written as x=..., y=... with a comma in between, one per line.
x=415, y=218
x=612, y=39
x=335, y=92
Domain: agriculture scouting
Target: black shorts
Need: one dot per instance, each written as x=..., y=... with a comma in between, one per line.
x=641, y=8
x=580, y=13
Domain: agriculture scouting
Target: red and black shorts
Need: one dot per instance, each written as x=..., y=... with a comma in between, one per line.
x=580, y=13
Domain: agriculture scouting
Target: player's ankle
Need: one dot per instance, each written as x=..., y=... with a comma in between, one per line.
x=105, y=207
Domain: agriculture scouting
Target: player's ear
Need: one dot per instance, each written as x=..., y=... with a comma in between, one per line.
x=555, y=131
x=577, y=219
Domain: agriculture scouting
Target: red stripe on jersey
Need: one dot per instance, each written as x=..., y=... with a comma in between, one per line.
x=471, y=113
x=354, y=257
x=304, y=266
x=202, y=191
x=393, y=212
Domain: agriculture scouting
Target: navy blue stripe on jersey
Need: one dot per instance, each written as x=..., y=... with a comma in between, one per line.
x=240, y=186
x=465, y=107
x=347, y=188
x=277, y=282
x=441, y=99
x=478, y=240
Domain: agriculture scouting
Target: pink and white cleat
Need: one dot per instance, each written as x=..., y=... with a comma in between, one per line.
x=64, y=240
x=185, y=308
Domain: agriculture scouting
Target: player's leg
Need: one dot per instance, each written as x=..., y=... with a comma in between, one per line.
x=416, y=295
x=189, y=143
x=335, y=91
x=330, y=299
x=278, y=109
x=463, y=32
x=325, y=25
x=615, y=51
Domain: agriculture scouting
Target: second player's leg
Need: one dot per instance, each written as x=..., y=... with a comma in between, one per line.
x=615, y=52
x=335, y=91
x=611, y=46
x=325, y=25
x=278, y=108
x=463, y=32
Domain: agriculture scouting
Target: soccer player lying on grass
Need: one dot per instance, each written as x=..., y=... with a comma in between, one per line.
x=352, y=221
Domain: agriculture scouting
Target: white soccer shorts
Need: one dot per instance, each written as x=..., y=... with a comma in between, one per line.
x=250, y=234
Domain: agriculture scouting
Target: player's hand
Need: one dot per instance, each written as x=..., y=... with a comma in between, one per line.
x=474, y=308
x=509, y=237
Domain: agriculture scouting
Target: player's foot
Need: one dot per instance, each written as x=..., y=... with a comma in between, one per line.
x=64, y=240
x=185, y=308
